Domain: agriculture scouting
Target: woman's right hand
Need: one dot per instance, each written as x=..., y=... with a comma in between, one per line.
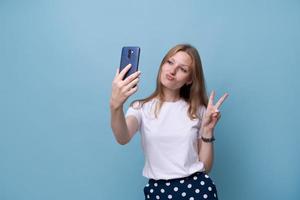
x=122, y=89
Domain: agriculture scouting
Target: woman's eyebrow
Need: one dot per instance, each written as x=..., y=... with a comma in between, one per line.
x=184, y=65
x=172, y=59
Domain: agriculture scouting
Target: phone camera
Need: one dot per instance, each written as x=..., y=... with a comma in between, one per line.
x=129, y=53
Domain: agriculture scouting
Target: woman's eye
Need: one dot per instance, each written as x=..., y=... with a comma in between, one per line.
x=169, y=62
x=182, y=69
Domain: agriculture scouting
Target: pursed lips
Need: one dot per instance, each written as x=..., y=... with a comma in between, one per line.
x=169, y=77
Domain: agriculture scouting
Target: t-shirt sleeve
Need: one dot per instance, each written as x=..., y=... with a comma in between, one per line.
x=136, y=112
x=201, y=112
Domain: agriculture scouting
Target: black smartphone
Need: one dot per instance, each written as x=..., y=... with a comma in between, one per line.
x=130, y=55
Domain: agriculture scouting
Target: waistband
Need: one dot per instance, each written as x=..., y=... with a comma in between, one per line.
x=176, y=179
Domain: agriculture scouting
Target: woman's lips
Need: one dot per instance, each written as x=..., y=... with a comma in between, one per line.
x=169, y=77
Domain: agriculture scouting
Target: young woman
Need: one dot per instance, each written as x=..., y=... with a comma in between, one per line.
x=176, y=123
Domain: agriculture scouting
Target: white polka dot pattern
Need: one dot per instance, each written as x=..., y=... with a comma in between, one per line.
x=197, y=186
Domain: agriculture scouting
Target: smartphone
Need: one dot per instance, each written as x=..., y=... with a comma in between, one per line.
x=130, y=55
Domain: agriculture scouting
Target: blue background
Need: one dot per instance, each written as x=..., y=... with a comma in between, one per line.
x=58, y=59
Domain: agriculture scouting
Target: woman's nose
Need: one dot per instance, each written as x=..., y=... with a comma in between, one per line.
x=173, y=70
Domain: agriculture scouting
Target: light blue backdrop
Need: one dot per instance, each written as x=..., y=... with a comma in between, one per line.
x=58, y=59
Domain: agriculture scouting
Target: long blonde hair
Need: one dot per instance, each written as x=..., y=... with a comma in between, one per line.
x=194, y=94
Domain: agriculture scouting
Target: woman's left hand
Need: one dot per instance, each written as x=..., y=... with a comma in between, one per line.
x=212, y=114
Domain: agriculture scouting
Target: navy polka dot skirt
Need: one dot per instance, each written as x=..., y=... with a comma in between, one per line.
x=197, y=186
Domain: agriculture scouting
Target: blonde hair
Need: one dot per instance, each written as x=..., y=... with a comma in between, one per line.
x=194, y=94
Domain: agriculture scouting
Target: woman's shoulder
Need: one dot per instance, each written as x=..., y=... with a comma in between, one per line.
x=139, y=104
x=136, y=104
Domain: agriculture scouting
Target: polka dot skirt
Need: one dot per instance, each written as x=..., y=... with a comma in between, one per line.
x=197, y=186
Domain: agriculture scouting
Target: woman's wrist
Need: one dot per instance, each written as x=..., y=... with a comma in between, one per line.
x=207, y=133
x=114, y=106
x=208, y=140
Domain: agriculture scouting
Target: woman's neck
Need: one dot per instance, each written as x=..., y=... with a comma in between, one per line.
x=171, y=96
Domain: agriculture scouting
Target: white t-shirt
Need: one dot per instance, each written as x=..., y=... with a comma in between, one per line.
x=170, y=141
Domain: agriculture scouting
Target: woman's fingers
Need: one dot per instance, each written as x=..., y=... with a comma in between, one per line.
x=213, y=114
x=132, y=77
x=219, y=103
x=123, y=72
x=124, y=86
x=117, y=72
x=132, y=90
x=211, y=98
x=216, y=114
x=221, y=100
x=122, y=89
x=130, y=85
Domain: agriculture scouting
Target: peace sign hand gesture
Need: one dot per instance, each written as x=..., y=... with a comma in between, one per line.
x=212, y=114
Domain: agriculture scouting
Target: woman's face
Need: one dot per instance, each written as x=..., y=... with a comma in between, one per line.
x=176, y=71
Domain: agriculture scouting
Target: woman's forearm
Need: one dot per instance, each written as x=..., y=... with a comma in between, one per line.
x=206, y=153
x=119, y=126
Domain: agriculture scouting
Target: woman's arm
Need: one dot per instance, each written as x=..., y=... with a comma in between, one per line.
x=123, y=128
x=209, y=121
